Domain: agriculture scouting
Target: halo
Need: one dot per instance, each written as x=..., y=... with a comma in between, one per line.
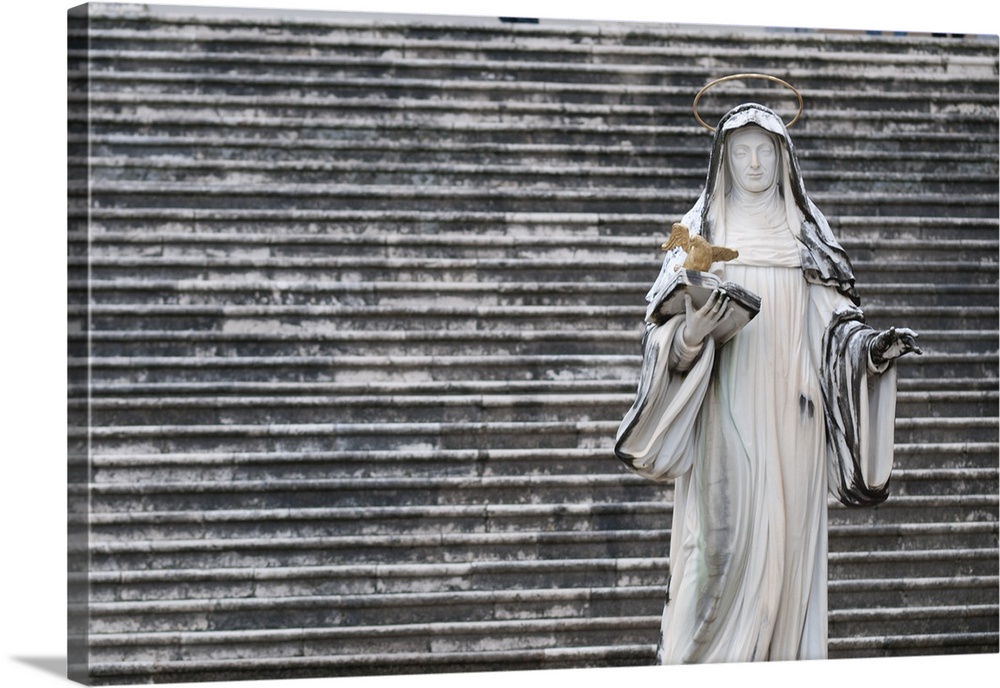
x=734, y=77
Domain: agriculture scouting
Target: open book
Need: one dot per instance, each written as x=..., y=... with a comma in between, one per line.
x=669, y=301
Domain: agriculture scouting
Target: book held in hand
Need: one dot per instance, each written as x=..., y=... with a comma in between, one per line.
x=669, y=301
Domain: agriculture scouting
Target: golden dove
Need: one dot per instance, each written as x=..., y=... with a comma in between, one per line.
x=700, y=253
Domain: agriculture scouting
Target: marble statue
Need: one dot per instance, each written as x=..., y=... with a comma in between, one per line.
x=755, y=430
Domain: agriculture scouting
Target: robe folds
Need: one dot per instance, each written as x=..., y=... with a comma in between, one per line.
x=755, y=432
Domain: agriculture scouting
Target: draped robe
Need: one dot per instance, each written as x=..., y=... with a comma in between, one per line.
x=755, y=432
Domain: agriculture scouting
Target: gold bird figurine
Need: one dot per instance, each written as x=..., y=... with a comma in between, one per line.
x=700, y=253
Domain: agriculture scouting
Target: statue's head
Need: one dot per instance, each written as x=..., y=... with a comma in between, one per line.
x=752, y=159
x=751, y=152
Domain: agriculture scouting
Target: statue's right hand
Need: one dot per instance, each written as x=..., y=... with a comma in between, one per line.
x=701, y=322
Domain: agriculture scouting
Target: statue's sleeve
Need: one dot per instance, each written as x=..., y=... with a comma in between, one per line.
x=656, y=436
x=859, y=401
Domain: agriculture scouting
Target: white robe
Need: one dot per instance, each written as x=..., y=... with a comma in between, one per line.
x=743, y=429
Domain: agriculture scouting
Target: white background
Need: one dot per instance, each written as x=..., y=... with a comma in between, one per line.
x=32, y=590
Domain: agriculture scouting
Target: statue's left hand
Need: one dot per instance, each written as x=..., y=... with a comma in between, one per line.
x=893, y=343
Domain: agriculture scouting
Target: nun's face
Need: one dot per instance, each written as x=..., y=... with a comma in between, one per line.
x=753, y=159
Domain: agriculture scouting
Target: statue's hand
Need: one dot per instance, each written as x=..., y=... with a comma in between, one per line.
x=893, y=343
x=699, y=323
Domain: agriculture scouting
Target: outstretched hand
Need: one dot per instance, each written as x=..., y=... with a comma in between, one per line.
x=893, y=343
x=701, y=322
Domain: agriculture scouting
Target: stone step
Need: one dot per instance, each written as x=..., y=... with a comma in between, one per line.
x=197, y=439
x=912, y=620
x=389, y=36
x=922, y=134
x=848, y=594
x=98, y=243
x=238, y=150
x=334, y=529
x=938, y=563
x=375, y=615
x=557, y=62
x=975, y=429
x=161, y=617
x=485, y=242
x=242, y=525
x=441, y=111
x=393, y=33
x=156, y=343
x=372, y=579
x=429, y=315
x=368, y=409
x=911, y=488
x=604, y=198
x=524, y=268
x=951, y=643
x=159, y=343
x=930, y=465
x=619, y=86
x=394, y=408
x=557, y=66
x=468, y=636
x=522, y=176
x=503, y=282
x=378, y=368
x=372, y=663
x=363, y=610
x=906, y=383
x=394, y=549
x=396, y=227
x=255, y=290
x=361, y=368
x=896, y=534
x=936, y=455
x=916, y=497
x=373, y=491
x=137, y=467
x=465, y=636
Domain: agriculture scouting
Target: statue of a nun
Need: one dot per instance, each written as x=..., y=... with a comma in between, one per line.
x=756, y=430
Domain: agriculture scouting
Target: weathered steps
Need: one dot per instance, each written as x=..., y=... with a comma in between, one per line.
x=388, y=549
x=366, y=578
x=571, y=198
x=345, y=640
x=862, y=593
x=397, y=408
x=304, y=537
x=394, y=31
x=805, y=64
x=388, y=36
x=138, y=467
x=180, y=342
x=394, y=229
x=319, y=267
x=487, y=367
x=127, y=171
x=373, y=663
x=392, y=153
x=253, y=290
x=150, y=112
x=920, y=645
x=403, y=521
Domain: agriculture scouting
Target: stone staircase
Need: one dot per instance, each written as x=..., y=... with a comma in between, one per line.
x=355, y=307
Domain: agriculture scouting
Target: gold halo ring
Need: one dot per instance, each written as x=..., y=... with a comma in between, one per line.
x=735, y=77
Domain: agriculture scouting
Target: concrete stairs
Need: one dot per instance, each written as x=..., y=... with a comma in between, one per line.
x=354, y=315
